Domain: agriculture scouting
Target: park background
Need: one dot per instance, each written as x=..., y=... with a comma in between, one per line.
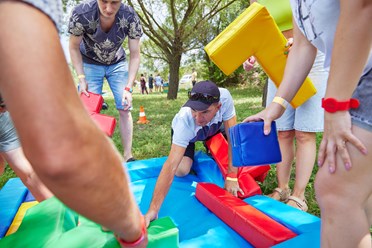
x=175, y=33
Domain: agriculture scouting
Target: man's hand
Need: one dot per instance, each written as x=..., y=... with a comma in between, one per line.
x=233, y=187
x=248, y=64
x=127, y=100
x=83, y=86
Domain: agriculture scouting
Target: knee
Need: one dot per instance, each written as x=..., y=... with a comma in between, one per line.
x=182, y=172
x=304, y=137
x=286, y=135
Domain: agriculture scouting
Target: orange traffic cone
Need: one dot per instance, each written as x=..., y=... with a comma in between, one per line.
x=142, y=116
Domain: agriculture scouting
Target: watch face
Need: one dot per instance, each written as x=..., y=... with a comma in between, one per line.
x=330, y=105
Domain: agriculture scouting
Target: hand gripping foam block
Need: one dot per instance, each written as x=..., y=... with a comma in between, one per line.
x=255, y=32
x=253, y=225
x=218, y=147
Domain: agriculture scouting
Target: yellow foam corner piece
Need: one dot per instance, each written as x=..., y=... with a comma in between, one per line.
x=254, y=32
x=19, y=216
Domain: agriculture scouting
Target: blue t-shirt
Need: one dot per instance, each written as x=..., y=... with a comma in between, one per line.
x=186, y=131
x=99, y=47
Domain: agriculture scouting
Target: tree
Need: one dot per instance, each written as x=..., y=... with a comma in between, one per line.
x=174, y=27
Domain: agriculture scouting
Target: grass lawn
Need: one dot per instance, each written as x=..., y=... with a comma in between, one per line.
x=153, y=139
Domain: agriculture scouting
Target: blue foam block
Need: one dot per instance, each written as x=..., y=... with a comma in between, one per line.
x=11, y=198
x=296, y=220
x=29, y=197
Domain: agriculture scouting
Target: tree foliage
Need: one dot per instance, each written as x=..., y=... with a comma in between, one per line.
x=176, y=27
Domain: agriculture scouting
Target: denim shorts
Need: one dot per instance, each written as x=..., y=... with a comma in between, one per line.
x=8, y=135
x=309, y=117
x=362, y=116
x=116, y=75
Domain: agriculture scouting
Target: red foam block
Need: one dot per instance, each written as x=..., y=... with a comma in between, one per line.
x=218, y=147
x=93, y=103
x=105, y=122
x=253, y=225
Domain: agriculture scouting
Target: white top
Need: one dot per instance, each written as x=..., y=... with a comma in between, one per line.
x=185, y=129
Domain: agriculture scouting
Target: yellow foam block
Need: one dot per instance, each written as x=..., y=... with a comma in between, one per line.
x=254, y=32
x=19, y=216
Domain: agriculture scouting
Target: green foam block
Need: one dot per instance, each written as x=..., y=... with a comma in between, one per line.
x=51, y=224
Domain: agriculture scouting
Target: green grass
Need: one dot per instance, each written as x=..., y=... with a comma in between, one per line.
x=153, y=139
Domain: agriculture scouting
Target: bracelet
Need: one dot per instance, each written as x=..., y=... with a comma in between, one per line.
x=128, y=89
x=332, y=105
x=233, y=179
x=232, y=175
x=281, y=101
x=139, y=240
x=81, y=76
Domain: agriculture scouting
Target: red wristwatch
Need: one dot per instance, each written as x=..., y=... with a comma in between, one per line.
x=331, y=105
x=136, y=242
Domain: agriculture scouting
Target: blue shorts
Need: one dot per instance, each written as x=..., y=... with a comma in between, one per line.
x=309, y=117
x=362, y=116
x=8, y=135
x=116, y=75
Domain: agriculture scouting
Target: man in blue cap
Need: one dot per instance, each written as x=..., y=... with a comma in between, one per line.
x=199, y=118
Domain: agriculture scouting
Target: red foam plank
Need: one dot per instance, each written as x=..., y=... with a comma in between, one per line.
x=93, y=103
x=218, y=147
x=254, y=226
x=105, y=122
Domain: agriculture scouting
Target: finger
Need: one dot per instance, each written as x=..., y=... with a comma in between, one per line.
x=358, y=144
x=241, y=191
x=147, y=221
x=330, y=157
x=267, y=126
x=85, y=92
x=252, y=118
x=344, y=154
x=322, y=152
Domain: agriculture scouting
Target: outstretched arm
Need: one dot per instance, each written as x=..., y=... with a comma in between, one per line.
x=68, y=151
x=164, y=181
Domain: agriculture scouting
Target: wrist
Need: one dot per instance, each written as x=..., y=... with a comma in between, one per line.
x=137, y=241
x=332, y=105
x=232, y=176
x=81, y=76
x=281, y=101
x=130, y=90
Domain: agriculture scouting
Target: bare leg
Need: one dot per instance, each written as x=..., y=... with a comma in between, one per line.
x=283, y=169
x=22, y=167
x=184, y=167
x=126, y=131
x=305, y=159
x=345, y=198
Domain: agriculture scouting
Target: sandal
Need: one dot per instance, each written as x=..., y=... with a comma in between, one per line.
x=283, y=194
x=300, y=204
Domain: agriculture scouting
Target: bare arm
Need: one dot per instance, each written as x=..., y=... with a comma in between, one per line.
x=69, y=152
x=164, y=181
x=352, y=45
x=77, y=60
x=231, y=186
x=134, y=61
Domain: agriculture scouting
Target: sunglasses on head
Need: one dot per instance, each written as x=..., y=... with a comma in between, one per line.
x=194, y=96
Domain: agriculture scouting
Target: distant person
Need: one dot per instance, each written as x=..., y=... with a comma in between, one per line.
x=97, y=31
x=200, y=118
x=143, y=85
x=158, y=83
x=194, y=77
x=67, y=150
x=151, y=83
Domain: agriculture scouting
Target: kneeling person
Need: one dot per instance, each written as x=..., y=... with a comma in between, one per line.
x=199, y=118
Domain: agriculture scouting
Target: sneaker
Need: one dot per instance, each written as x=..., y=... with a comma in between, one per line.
x=131, y=159
x=105, y=106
